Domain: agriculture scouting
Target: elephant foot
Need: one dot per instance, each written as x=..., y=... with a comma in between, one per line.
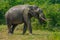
x=30, y=33
x=10, y=32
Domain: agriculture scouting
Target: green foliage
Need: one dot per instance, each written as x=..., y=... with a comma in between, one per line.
x=51, y=9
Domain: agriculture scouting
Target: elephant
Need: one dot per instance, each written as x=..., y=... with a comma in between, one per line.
x=22, y=14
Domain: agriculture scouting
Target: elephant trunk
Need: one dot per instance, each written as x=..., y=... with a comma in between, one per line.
x=42, y=19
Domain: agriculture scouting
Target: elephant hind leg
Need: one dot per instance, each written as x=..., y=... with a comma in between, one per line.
x=13, y=27
x=8, y=22
x=9, y=28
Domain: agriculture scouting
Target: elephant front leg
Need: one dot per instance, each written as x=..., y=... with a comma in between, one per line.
x=24, y=28
x=28, y=24
x=29, y=27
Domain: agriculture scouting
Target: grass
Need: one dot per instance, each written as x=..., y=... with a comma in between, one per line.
x=37, y=34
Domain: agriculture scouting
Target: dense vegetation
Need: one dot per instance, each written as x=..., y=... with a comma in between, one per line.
x=51, y=10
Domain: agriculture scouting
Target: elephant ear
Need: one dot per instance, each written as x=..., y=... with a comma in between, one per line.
x=25, y=13
x=26, y=10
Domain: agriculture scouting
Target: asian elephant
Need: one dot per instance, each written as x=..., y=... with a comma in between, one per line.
x=22, y=14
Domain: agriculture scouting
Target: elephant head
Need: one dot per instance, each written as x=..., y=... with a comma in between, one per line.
x=37, y=13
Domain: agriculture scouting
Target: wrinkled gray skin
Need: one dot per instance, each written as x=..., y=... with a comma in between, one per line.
x=22, y=14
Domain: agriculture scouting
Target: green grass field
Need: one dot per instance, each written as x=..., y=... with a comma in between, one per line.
x=37, y=34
